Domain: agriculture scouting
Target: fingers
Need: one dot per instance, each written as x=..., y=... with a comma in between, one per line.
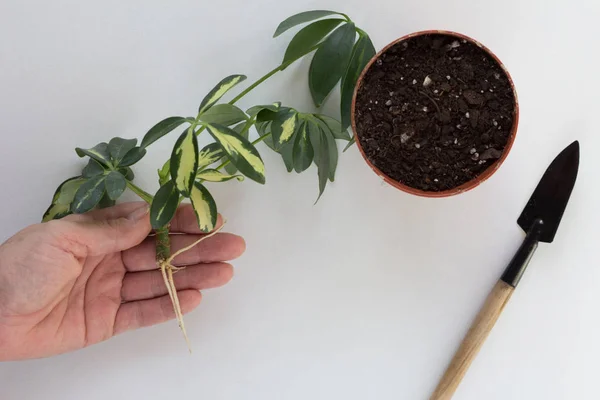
x=150, y=284
x=105, y=231
x=143, y=313
x=221, y=247
x=185, y=220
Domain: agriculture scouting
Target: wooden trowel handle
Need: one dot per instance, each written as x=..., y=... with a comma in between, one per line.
x=483, y=324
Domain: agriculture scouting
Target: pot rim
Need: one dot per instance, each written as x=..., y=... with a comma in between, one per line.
x=488, y=172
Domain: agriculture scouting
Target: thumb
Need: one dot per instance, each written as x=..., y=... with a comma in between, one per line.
x=126, y=226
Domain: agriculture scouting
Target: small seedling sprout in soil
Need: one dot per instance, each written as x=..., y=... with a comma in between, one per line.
x=341, y=51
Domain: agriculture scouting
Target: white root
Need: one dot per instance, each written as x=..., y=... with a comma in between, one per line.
x=167, y=270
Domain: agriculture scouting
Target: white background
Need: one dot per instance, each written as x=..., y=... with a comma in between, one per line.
x=365, y=295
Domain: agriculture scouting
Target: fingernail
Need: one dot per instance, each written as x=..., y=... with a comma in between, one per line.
x=139, y=213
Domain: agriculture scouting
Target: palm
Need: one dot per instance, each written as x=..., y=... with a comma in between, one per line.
x=63, y=298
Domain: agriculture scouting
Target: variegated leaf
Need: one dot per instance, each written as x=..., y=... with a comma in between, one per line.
x=209, y=155
x=61, y=201
x=184, y=162
x=161, y=129
x=283, y=127
x=164, y=205
x=115, y=185
x=119, y=147
x=253, y=111
x=213, y=175
x=204, y=207
x=99, y=153
x=223, y=114
x=219, y=90
x=56, y=211
x=88, y=195
x=239, y=128
x=93, y=168
x=134, y=155
x=240, y=152
x=303, y=152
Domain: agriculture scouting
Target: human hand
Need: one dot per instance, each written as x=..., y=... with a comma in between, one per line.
x=74, y=282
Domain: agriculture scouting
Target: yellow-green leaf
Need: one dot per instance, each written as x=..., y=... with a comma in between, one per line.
x=164, y=173
x=240, y=152
x=283, y=127
x=204, y=207
x=88, y=195
x=184, y=161
x=219, y=90
x=213, y=175
x=164, y=205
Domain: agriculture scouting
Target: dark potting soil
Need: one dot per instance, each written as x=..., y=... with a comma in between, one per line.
x=434, y=112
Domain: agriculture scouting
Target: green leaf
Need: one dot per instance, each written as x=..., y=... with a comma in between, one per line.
x=61, y=201
x=240, y=152
x=314, y=134
x=164, y=173
x=333, y=153
x=283, y=127
x=230, y=168
x=219, y=90
x=253, y=111
x=133, y=156
x=119, y=147
x=264, y=128
x=164, y=205
x=115, y=185
x=223, y=114
x=287, y=154
x=330, y=62
x=204, y=207
x=88, y=195
x=213, y=175
x=161, y=129
x=209, y=155
x=99, y=153
x=350, y=143
x=184, y=162
x=303, y=151
x=93, y=168
x=335, y=127
x=106, y=202
x=361, y=55
x=127, y=173
x=321, y=149
x=301, y=18
x=308, y=37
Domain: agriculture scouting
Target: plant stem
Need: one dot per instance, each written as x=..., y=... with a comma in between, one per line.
x=147, y=197
x=163, y=245
x=270, y=74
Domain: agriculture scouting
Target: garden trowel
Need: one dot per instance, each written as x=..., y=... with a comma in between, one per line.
x=539, y=220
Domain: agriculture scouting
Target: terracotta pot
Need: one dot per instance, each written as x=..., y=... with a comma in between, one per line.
x=468, y=185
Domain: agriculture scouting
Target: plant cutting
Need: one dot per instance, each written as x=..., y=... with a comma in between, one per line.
x=435, y=113
x=341, y=51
